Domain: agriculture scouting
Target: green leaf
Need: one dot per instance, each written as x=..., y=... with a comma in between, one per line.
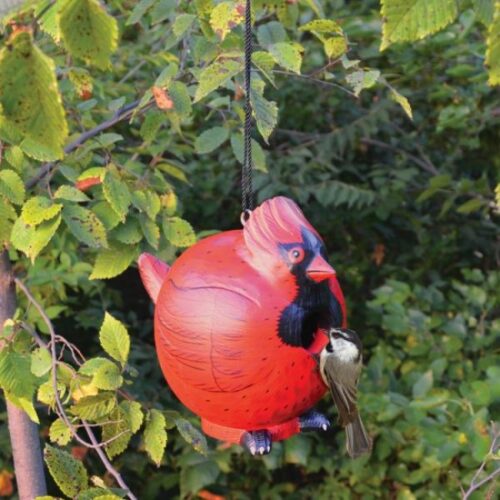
x=128, y=233
x=403, y=102
x=182, y=23
x=298, y=449
x=196, y=476
x=266, y=112
x=192, y=435
x=151, y=125
x=493, y=48
x=226, y=16
x=30, y=102
x=85, y=226
x=215, y=75
x=258, y=154
x=70, y=193
x=265, y=62
x=68, y=473
x=32, y=240
x=139, y=10
x=178, y=231
x=94, y=407
x=133, y=413
x=470, y=206
x=211, y=139
x=15, y=374
x=360, y=80
x=270, y=33
x=410, y=20
x=15, y=156
x=155, y=436
x=12, y=187
x=148, y=202
x=126, y=420
x=179, y=94
x=41, y=361
x=423, y=385
x=39, y=209
x=114, y=339
x=485, y=10
x=59, y=432
x=112, y=261
x=116, y=193
x=48, y=21
x=150, y=230
x=287, y=55
x=88, y=31
x=107, y=376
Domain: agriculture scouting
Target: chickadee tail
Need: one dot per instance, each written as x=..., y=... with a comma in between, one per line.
x=357, y=440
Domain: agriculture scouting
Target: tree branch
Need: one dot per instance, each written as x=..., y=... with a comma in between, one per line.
x=23, y=432
x=122, y=114
x=107, y=463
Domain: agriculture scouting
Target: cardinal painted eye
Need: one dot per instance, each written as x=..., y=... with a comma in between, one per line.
x=296, y=255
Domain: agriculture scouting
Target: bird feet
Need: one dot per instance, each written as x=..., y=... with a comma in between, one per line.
x=257, y=442
x=313, y=421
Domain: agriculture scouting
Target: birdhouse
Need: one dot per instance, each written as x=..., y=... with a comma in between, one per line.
x=239, y=318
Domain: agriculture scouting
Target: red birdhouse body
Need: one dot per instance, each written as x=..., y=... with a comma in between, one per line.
x=238, y=318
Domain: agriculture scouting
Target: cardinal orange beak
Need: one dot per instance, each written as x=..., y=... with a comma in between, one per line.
x=320, y=270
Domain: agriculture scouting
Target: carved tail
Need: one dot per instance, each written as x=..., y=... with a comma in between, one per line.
x=153, y=273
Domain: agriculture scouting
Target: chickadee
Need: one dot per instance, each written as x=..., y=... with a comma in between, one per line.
x=340, y=366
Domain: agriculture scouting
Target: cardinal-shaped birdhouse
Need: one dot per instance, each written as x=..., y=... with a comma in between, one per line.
x=239, y=320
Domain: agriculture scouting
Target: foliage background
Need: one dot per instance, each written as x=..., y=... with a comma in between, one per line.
x=407, y=210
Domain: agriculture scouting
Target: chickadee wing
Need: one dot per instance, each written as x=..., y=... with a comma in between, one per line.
x=344, y=393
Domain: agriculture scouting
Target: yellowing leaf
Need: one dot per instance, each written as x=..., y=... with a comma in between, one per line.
x=30, y=103
x=112, y=261
x=287, y=55
x=39, y=209
x=88, y=31
x=178, y=231
x=114, y=339
x=116, y=193
x=226, y=16
x=409, y=20
x=403, y=102
x=94, y=407
x=322, y=26
x=85, y=226
x=215, y=75
x=11, y=186
x=59, y=432
x=493, y=48
x=155, y=436
x=32, y=240
x=335, y=47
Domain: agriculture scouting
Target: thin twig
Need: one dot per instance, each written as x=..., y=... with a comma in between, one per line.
x=52, y=349
x=122, y=114
x=315, y=80
x=427, y=166
x=107, y=463
x=476, y=485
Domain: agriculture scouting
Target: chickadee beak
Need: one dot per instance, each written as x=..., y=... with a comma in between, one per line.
x=319, y=269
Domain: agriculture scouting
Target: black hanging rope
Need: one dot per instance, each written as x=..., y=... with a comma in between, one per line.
x=246, y=170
